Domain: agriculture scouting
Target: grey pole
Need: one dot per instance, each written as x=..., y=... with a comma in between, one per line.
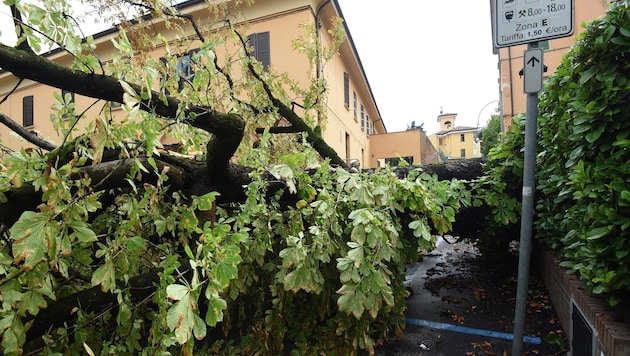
x=529, y=171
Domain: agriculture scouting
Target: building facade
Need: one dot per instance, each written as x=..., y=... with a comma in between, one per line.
x=511, y=60
x=412, y=146
x=272, y=26
x=456, y=142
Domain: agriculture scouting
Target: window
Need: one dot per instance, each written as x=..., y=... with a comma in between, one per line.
x=362, y=117
x=346, y=89
x=261, y=49
x=354, y=104
x=368, y=124
x=185, y=69
x=544, y=45
x=394, y=162
x=462, y=153
x=27, y=111
x=462, y=138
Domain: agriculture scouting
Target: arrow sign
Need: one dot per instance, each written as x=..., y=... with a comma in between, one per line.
x=533, y=61
x=533, y=70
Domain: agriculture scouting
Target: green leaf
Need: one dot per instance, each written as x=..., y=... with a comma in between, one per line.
x=136, y=244
x=180, y=319
x=597, y=233
x=177, y=291
x=216, y=306
x=352, y=303
x=82, y=231
x=13, y=334
x=32, y=302
x=227, y=269
x=105, y=276
x=31, y=234
x=206, y=201
x=302, y=278
x=587, y=75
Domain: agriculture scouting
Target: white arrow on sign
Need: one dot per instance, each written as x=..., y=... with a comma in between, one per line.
x=533, y=70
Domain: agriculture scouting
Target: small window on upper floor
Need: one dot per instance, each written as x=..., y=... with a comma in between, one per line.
x=261, y=48
x=27, y=111
x=346, y=90
x=354, y=105
x=544, y=45
x=462, y=138
x=185, y=68
x=362, y=117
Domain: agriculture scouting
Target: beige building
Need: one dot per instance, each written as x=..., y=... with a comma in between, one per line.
x=456, y=142
x=412, y=146
x=511, y=60
x=272, y=26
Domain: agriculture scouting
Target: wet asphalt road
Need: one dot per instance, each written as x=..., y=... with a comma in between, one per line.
x=449, y=304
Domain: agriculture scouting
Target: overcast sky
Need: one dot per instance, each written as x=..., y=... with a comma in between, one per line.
x=420, y=57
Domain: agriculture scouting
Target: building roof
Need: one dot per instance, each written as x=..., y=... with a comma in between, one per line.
x=458, y=129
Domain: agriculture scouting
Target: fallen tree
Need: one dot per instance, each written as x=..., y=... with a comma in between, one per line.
x=113, y=244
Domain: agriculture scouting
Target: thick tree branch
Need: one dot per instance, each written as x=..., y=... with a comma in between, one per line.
x=91, y=300
x=26, y=134
x=104, y=176
x=108, y=175
x=19, y=29
x=312, y=137
x=279, y=130
x=227, y=128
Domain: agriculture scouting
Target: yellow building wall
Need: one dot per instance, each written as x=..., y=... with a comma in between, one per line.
x=43, y=100
x=511, y=61
x=285, y=20
x=451, y=144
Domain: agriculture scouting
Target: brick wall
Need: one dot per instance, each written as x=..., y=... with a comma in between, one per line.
x=612, y=327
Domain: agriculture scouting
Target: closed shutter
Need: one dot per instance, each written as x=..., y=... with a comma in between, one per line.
x=27, y=111
x=263, y=51
x=346, y=89
x=262, y=47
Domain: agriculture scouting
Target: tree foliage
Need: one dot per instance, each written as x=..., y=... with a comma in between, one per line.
x=113, y=245
x=490, y=135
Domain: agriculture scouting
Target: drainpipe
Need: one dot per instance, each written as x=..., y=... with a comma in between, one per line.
x=511, y=88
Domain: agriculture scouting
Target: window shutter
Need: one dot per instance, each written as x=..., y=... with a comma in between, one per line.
x=346, y=89
x=362, y=117
x=263, y=49
x=27, y=111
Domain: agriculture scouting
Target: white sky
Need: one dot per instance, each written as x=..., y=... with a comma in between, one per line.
x=419, y=56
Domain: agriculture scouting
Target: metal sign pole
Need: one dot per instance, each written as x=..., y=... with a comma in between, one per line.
x=533, y=68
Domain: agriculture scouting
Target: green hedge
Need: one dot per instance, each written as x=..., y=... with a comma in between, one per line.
x=584, y=163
